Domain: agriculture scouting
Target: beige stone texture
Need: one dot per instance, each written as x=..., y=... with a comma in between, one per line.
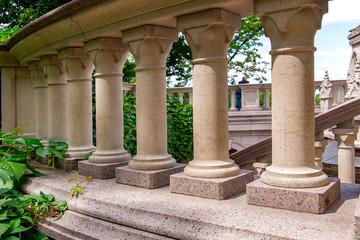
x=78, y=66
x=150, y=46
x=57, y=97
x=209, y=34
x=41, y=99
x=215, y=188
x=320, y=144
x=146, y=179
x=25, y=102
x=108, y=56
x=292, y=111
x=99, y=170
x=8, y=104
x=250, y=99
x=311, y=200
x=232, y=100
x=345, y=134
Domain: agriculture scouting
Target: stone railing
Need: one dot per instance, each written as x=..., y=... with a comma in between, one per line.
x=46, y=74
x=341, y=116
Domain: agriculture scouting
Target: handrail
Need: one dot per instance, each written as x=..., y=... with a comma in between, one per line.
x=325, y=120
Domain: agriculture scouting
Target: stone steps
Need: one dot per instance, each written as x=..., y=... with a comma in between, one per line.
x=75, y=226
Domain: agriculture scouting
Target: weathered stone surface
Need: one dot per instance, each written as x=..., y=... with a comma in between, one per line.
x=76, y=226
x=186, y=217
x=213, y=188
x=99, y=170
x=67, y=164
x=146, y=179
x=313, y=200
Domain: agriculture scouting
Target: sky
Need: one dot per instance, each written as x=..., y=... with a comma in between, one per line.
x=333, y=49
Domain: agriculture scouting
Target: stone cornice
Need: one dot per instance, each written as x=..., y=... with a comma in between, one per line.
x=82, y=20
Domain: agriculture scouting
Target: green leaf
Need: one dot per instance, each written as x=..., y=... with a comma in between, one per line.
x=14, y=169
x=34, y=171
x=20, y=140
x=19, y=229
x=37, y=198
x=4, y=215
x=14, y=223
x=41, y=152
x=28, y=219
x=4, y=175
x=3, y=228
x=7, y=186
x=11, y=238
x=40, y=236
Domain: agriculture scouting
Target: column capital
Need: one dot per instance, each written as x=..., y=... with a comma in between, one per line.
x=291, y=25
x=53, y=69
x=77, y=63
x=150, y=44
x=209, y=32
x=37, y=73
x=107, y=54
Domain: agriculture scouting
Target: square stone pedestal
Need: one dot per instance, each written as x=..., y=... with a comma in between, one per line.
x=99, y=170
x=213, y=188
x=146, y=179
x=312, y=200
x=67, y=164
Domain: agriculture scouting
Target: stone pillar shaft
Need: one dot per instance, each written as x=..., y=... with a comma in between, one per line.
x=320, y=144
x=150, y=46
x=41, y=99
x=232, y=100
x=293, y=111
x=108, y=55
x=345, y=136
x=181, y=97
x=79, y=67
x=57, y=96
x=209, y=34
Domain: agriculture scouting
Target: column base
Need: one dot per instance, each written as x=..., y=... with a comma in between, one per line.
x=78, y=153
x=99, y=170
x=213, y=188
x=311, y=200
x=146, y=179
x=66, y=164
x=43, y=160
x=110, y=157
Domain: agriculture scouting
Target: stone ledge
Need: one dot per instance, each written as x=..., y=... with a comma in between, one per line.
x=146, y=179
x=99, y=170
x=74, y=226
x=67, y=164
x=213, y=188
x=312, y=200
x=186, y=217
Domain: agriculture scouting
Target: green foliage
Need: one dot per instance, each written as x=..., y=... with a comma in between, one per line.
x=20, y=12
x=130, y=124
x=128, y=69
x=178, y=62
x=6, y=33
x=180, y=130
x=18, y=213
x=317, y=99
x=244, y=47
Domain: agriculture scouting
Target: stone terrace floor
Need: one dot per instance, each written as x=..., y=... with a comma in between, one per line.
x=185, y=217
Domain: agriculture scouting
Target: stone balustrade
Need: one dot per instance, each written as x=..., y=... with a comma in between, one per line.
x=72, y=41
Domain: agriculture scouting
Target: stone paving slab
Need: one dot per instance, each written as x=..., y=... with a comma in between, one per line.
x=185, y=217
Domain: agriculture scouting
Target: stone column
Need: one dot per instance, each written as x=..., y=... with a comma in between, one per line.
x=209, y=34
x=267, y=99
x=232, y=100
x=320, y=144
x=291, y=28
x=8, y=98
x=181, y=97
x=150, y=46
x=79, y=67
x=41, y=99
x=57, y=97
x=108, y=56
x=190, y=98
x=293, y=111
x=345, y=134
